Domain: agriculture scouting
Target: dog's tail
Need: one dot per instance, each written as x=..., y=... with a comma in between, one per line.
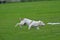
x=21, y=19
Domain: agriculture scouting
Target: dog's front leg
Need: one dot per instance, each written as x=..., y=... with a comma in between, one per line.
x=37, y=28
x=29, y=27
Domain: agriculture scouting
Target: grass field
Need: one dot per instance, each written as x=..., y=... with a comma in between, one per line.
x=47, y=11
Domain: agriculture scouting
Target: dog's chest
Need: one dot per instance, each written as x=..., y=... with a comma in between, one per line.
x=35, y=23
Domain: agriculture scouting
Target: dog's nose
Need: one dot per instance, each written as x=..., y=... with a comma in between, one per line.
x=43, y=24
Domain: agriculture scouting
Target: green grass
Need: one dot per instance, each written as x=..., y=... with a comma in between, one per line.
x=47, y=11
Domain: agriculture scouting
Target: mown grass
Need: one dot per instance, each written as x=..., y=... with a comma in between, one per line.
x=47, y=11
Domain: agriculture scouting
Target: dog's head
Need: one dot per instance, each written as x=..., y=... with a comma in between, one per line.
x=41, y=23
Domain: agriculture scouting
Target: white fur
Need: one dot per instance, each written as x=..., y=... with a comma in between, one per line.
x=30, y=23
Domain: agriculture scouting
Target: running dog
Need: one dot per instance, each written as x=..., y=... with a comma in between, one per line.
x=30, y=23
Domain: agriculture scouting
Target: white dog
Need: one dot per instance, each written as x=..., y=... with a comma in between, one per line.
x=30, y=23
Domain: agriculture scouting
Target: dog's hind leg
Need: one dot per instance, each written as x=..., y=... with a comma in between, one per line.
x=17, y=24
